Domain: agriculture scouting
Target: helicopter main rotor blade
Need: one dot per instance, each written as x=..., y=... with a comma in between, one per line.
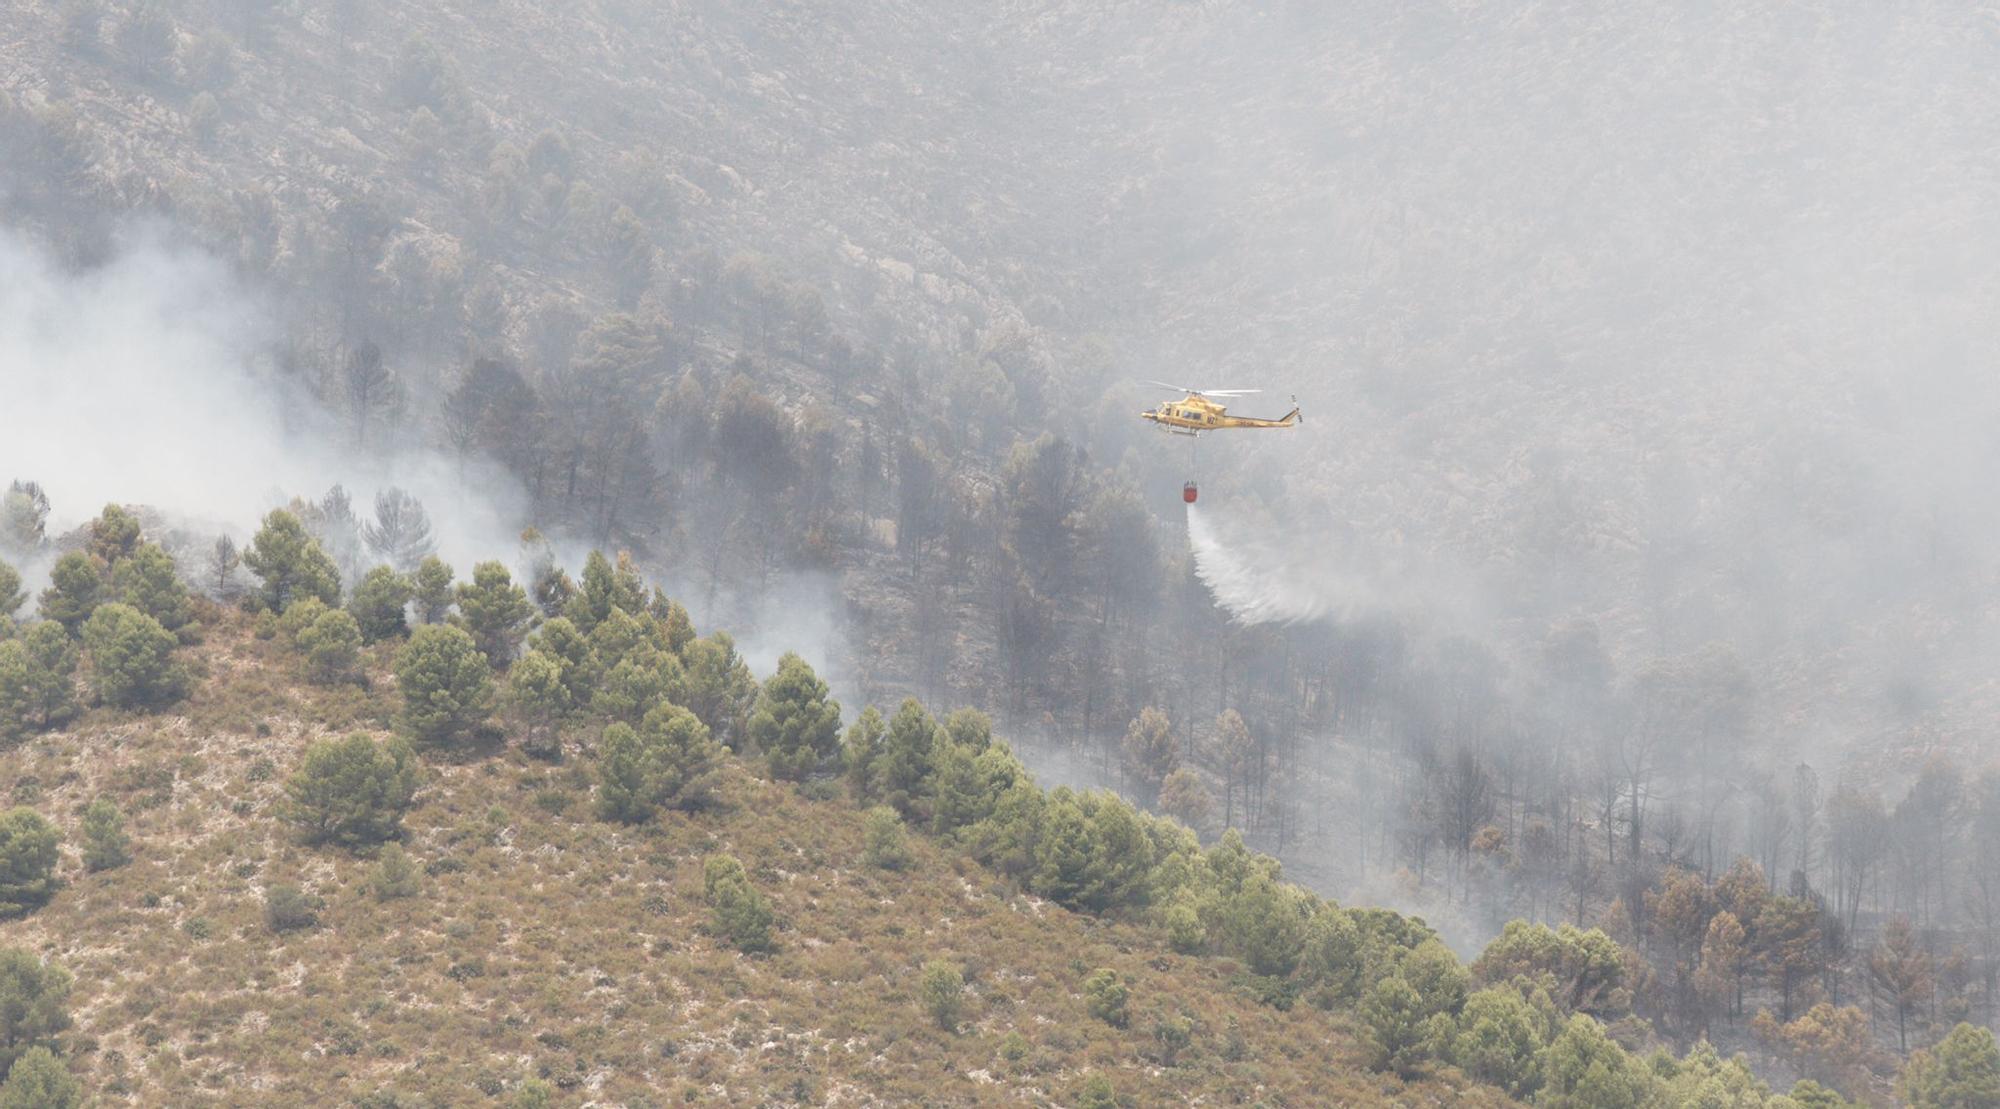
x=1206, y=392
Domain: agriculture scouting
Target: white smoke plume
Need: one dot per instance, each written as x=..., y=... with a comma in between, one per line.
x=147, y=381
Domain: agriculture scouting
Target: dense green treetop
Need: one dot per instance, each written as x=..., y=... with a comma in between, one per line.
x=131, y=658
x=796, y=725
x=291, y=563
x=446, y=683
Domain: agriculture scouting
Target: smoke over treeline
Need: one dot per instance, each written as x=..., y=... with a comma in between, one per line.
x=159, y=378
x=1639, y=521
x=1668, y=318
x=151, y=380
x=1646, y=353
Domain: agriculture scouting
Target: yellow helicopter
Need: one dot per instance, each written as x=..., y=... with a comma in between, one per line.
x=1198, y=411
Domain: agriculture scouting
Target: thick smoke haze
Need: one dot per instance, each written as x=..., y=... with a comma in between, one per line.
x=1677, y=320
x=146, y=381
x=1642, y=521
x=149, y=380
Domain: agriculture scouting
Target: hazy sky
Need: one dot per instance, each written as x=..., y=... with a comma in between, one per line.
x=1677, y=318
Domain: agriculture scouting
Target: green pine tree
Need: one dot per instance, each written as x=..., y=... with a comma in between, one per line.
x=943, y=990
x=1498, y=1041
x=1330, y=958
x=332, y=647
x=380, y=605
x=1264, y=923
x=1392, y=1014
x=669, y=760
x=796, y=725
x=113, y=536
x=495, y=611
x=1437, y=976
x=904, y=768
x=351, y=791
x=34, y=1003
x=603, y=588
x=741, y=914
x=537, y=697
x=131, y=662
x=433, y=591
x=1961, y=1072
x=618, y=634
x=16, y=678
x=1062, y=850
x=1120, y=853
x=38, y=1080
x=11, y=595
x=37, y=678
x=887, y=846
x=446, y=684
x=861, y=751
x=1105, y=995
x=28, y=853
x=76, y=588
x=716, y=685
x=561, y=641
x=291, y=563
x=1583, y=1069
x=105, y=844
x=147, y=580
x=395, y=876
x=645, y=677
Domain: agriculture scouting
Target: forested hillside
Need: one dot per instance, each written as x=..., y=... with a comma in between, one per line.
x=566, y=851
x=1632, y=570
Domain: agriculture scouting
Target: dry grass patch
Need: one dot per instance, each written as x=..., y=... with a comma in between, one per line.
x=545, y=944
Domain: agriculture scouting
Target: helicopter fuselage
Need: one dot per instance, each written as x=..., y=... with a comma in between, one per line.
x=1194, y=414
